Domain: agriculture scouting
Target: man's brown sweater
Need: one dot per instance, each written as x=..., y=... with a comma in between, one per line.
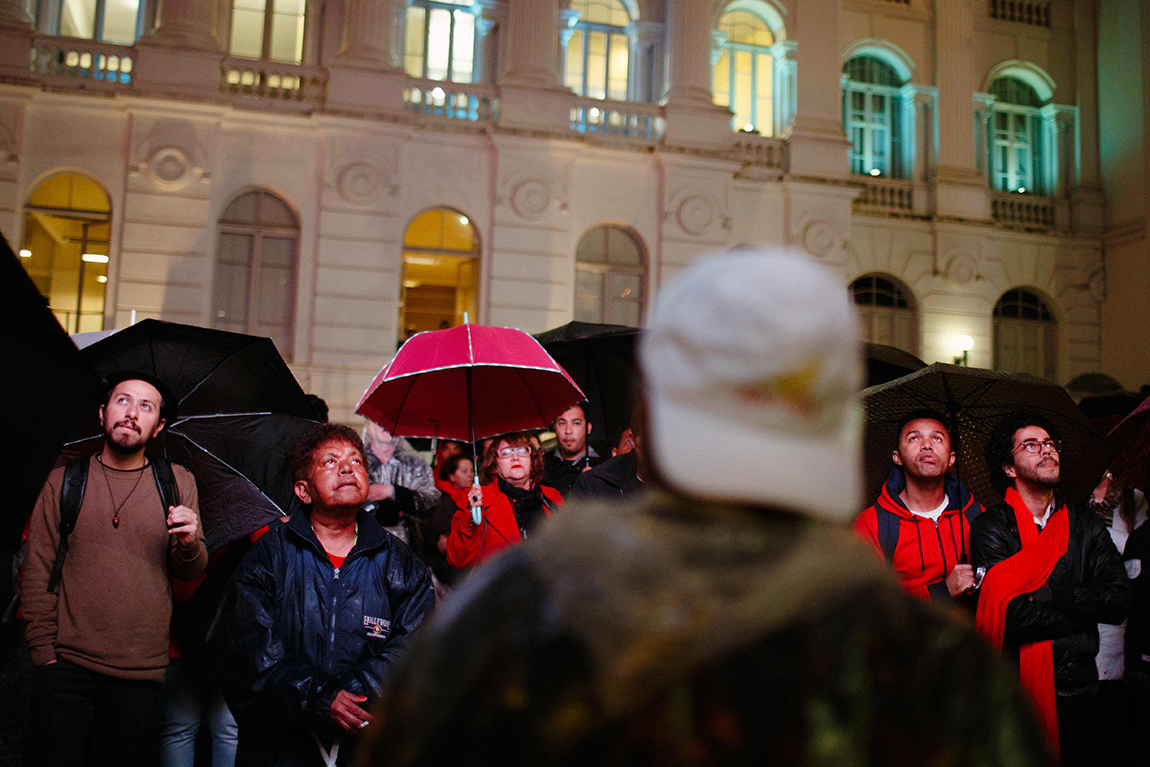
x=112, y=607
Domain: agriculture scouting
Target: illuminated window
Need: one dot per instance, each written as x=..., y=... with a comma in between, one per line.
x=1015, y=137
x=112, y=21
x=886, y=315
x=872, y=114
x=440, y=272
x=65, y=249
x=256, y=269
x=597, y=63
x=1025, y=335
x=440, y=40
x=610, y=277
x=268, y=29
x=744, y=71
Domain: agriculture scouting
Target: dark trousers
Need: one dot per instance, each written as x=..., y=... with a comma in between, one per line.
x=82, y=718
x=1080, y=730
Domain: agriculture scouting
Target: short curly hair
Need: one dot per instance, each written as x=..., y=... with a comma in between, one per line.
x=303, y=452
x=514, y=439
x=1000, y=446
x=451, y=463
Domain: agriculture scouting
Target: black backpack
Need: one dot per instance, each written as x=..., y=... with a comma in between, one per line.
x=72, y=495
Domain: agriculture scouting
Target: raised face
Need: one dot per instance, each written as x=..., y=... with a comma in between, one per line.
x=131, y=416
x=1040, y=468
x=571, y=428
x=626, y=443
x=338, y=477
x=513, y=463
x=924, y=449
x=464, y=474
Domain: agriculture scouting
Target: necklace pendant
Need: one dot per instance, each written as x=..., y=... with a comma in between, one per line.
x=116, y=521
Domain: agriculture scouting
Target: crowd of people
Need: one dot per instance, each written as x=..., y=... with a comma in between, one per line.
x=694, y=597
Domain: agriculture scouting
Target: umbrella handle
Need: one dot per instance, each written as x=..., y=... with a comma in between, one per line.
x=476, y=511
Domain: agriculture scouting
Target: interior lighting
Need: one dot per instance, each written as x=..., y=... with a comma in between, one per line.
x=875, y=172
x=1022, y=190
x=437, y=93
x=411, y=283
x=749, y=128
x=463, y=220
x=422, y=260
x=25, y=253
x=964, y=344
x=94, y=258
x=101, y=278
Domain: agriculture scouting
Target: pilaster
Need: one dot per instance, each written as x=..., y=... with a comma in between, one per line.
x=960, y=189
x=693, y=119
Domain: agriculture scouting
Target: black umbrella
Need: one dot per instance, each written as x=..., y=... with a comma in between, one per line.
x=601, y=359
x=886, y=363
x=973, y=401
x=240, y=412
x=48, y=389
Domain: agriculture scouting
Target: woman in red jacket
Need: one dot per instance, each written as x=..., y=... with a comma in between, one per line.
x=513, y=502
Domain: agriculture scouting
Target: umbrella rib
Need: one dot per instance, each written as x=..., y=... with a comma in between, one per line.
x=229, y=466
x=402, y=403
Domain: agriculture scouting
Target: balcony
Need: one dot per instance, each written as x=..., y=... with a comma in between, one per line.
x=762, y=156
x=885, y=195
x=630, y=121
x=68, y=62
x=454, y=101
x=273, y=82
x=1035, y=14
x=1023, y=210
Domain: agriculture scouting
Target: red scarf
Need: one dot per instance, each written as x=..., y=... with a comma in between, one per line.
x=1023, y=573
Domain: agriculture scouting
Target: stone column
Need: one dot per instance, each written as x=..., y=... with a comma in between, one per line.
x=959, y=187
x=369, y=40
x=693, y=119
x=646, y=73
x=812, y=72
x=532, y=94
x=567, y=21
x=16, y=32
x=186, y=24
x=1087, y=204
x=785, y=71
x=920, y=136
x=14, y=15
x=182, y=55
x=982, y=103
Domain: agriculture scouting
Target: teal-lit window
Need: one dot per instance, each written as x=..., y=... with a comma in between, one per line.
x=439, y=40
x=598, y=53
x=1015, y=137
x=743, y=75
x=872, y=117
x=268, y=29
x=110, y=21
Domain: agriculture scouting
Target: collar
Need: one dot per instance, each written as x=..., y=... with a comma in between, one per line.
x=369, y=533
x=588, y=452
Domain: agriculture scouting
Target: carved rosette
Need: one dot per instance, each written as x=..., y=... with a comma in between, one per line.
x=169, y=168
x=819, y=237
x=962, y=269
x=696, y=215
x=360, y=183
x=530, y=198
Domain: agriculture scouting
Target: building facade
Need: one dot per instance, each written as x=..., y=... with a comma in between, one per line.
x=340, y=174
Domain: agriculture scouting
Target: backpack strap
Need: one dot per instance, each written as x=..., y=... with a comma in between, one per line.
x=888, y=527
x=165, y=482
x=71, y=497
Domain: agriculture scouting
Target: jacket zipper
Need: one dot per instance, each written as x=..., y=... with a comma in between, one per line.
x=941, y=550
x=334, y=599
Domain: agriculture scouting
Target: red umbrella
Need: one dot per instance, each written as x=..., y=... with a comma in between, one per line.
x=1131, y=441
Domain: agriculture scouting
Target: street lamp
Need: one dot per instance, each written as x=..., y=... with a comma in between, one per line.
x=964, y=344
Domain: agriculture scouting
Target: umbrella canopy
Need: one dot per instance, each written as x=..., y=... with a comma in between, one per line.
x=240, y=412
x=1131, y=442
x=43, y=366
x=886, y=363
x=468, y=383
x=601, y=360
x=973, y=401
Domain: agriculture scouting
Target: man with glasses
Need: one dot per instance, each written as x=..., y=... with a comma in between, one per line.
x=1053, y=575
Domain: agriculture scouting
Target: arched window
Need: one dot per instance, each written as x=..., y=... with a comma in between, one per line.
x=1015, y=137
x=65, y=248
x=885, y=312
x=610, y=277
x=440, y=272
x=256, y=269
x=268, y=29
x=872, y=117
x=111, y=21
x=439, y=40
x=744, y=71
x=1025, y=335
x=597, y=57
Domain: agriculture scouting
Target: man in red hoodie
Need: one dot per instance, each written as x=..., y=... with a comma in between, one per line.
x=920, y=522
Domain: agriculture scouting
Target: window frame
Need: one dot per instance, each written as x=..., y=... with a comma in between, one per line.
x=452, y=9
x=266, y=34
x=1045, y=326
x=732, y=47
x=867, y=312
x=605, y=269
x=49, y=15
x=1009, y=179
x=585, y=28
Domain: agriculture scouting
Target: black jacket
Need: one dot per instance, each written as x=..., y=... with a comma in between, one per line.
x=1137, y=561
x=561, y=474
x=299, y=632
x=1088, y=586
x=614, y=479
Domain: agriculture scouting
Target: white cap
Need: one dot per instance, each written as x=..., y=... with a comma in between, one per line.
x=752, y=365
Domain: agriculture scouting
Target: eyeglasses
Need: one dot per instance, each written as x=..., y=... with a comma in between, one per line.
x=507, y=452
x=1036, y=446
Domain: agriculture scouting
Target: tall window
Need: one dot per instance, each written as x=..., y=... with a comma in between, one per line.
x=610, y=277
x=268, y=29
x=256, y=268
x=440, y=272
x=1025, y=335
x=744, y=71
x=597, y=53
x=885, y=313
x=111, y=21
x=1015, y=137
x=65, y=249
x=439, y=40
x=872, y=114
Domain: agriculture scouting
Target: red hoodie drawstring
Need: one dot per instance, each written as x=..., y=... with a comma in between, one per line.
x=917, y=535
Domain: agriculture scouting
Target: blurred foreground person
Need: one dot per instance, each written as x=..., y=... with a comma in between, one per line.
x=317, y=613
x=1053, y=575
x=920, y=522
x=714, y=623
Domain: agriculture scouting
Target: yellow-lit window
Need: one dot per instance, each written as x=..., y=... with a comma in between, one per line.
x=598, y=52
x=268, y=29
x=744, y=71
x=65, y=249
x=439, y=39
x=112, y=21
x=440, y=272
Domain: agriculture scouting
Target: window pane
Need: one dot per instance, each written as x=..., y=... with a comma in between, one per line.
x=588, y=296
x=722, y=80
x=413, y=41
x=248, y=28
x=120, y=21
x=596, y=65
x=274, y=211
x=593, y=246
x=287, y=31
x=764, y=90
x=235, y=249
x=743, y=91
x=617, y=86
x=573, y=76
x=624, y=287
x=78, y=18
x=463, y=47
x=277, y=282
x=438, y=43
x=624, y=313
x=621, y=249
x=233, y=274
